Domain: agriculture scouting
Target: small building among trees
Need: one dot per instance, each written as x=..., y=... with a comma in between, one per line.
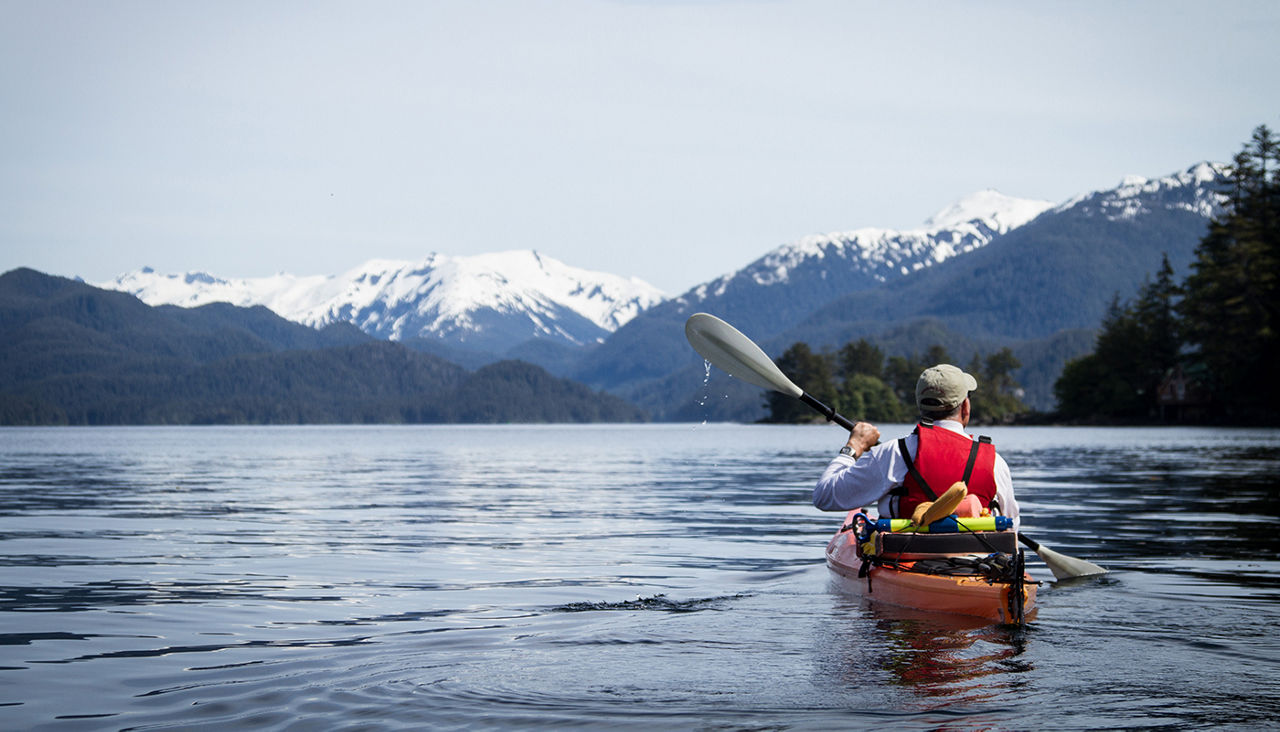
x=1181, y=397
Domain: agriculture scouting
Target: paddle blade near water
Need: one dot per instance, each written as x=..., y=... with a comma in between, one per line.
x=737, y=355
x=1062, y=566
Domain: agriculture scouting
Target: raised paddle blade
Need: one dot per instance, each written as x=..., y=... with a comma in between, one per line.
x=1062, y=566
x=735, y=354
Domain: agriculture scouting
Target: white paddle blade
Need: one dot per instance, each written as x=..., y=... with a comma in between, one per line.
x=1064, y=567
x=735, y=354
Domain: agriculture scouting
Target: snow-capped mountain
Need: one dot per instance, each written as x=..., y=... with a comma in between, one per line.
x=1060, y=271
x=1196, y=190
x=781, y=288
x=993, y=269
x=882, y=254
x=487, y=302
x=998, y=211
x=1042, y=287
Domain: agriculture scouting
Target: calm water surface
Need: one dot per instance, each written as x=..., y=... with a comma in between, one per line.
x=657, y=576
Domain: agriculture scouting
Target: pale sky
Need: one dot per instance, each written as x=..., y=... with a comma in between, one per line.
x=670, y=141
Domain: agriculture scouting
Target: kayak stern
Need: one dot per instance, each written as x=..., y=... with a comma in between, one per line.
x=895, y=583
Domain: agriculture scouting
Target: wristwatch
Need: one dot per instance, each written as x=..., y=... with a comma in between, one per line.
x=846, y=450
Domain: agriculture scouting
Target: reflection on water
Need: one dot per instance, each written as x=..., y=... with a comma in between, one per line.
x=946, y=662
x=628, y=576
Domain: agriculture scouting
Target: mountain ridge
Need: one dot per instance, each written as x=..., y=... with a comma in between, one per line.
x=71, y=353
x=782, y=287
x=1038, y=288
x=1056, y=275
x=487, y=302
x=1027, y=271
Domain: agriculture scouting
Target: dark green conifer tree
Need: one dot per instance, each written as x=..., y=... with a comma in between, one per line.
x=1230, y=307
x=1157, y=321
x=862, y=392
x=861, y=357
x=1108, y=382
x=936, y=354
x=998, y=398
x=812, y=372
x=901, y=374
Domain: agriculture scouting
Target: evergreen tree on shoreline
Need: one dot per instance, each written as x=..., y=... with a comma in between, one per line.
x=861, y=384
x=1229, y=312
x=1221, y=323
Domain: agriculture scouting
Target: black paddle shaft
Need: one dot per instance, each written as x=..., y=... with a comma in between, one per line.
x=826, y=411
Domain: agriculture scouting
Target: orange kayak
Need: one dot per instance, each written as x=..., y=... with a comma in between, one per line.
x=978, y=574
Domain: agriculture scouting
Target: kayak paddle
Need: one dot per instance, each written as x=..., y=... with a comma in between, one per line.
x=737, y=355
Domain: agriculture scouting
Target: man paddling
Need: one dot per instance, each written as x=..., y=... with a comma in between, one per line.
x=902, y=475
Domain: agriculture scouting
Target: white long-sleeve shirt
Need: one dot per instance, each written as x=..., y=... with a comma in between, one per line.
x=848, y=484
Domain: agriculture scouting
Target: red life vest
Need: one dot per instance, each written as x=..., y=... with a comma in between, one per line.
x=943, y=457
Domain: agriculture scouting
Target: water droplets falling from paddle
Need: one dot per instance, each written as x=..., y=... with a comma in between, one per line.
x=706, y=389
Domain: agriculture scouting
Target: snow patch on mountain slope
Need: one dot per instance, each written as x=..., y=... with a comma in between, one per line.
x=998, y=211
x=1189, y=190
x=966, y=225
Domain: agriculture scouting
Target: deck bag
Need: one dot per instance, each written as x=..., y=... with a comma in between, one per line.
x=911, y=546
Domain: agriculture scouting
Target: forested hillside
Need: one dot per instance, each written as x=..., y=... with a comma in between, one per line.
x=1040, y=290
x=75, y=354
x=1205, y=347
x=783, y=287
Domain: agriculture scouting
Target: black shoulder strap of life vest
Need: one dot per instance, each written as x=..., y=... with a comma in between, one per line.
x=968, y=468
x=973, y=456
x=911, y=466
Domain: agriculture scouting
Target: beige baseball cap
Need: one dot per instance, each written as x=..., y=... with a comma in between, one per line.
x=943, y=387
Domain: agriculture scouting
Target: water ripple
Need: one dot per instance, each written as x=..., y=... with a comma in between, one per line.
x=621, y=576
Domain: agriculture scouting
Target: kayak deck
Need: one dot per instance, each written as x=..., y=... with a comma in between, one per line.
x=895, y=583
